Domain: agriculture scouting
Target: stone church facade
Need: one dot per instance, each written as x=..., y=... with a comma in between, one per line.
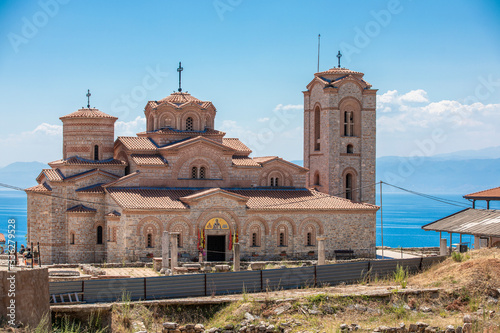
x=111, y=200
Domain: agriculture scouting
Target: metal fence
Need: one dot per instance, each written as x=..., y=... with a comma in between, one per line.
x=180, y=286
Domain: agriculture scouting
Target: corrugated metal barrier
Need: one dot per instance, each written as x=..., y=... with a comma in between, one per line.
x=193, y=285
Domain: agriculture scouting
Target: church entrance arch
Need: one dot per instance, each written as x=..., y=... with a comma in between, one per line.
x=217, y=231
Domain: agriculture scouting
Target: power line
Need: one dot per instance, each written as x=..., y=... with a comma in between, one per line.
x=431, y=197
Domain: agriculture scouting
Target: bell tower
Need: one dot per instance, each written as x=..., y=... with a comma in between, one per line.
x=340, y=134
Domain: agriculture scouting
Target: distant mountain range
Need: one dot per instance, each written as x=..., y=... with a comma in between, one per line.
x=21, y=174
x=460, y=173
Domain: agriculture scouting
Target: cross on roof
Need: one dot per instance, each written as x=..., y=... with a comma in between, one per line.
x=180, y=69
x=339, y=55
x=88, y=98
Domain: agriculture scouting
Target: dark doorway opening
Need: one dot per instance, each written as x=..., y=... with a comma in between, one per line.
x=216, y=248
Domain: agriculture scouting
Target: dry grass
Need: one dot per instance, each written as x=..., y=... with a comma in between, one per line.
x=479, y=274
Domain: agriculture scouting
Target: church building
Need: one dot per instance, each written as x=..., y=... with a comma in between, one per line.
x=111, y=200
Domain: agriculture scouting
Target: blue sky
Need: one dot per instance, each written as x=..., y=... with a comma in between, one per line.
x=436, y=65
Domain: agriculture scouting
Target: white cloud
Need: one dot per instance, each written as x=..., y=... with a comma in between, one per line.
x=263, y=120
x=416, y=96
x=130, y=128
x=289, y=107
x=404, y=119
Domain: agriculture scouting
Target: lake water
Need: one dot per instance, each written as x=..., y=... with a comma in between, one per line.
x=403, y=216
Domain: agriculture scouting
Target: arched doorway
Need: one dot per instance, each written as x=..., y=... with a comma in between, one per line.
x=216, y=230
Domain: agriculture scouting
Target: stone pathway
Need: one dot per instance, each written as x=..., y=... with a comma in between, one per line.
x=392, y=254
x=132, y=272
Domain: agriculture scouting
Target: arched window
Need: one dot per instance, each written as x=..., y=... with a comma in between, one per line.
x=316, y=179
x=99, y=235
x=349, y=123
x=317, y=129
x=149, y=241
x=309, y=239
x=189, y=124
x=350, y=149
x=194, y=172
x=282, y=239
x=274, y=181
x=255, y=232
x=96, y=152
x=282, y=235
x=348, y=186
x=254, y=239
x=202, y=172
x=72, y=238
x=179, y=240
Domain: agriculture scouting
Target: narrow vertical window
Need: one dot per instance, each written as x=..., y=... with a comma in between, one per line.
x=317, y=129
x=282, y=239
x=96, y=152
x=202, y=172
x=349, y=123
x=194, y=172
x=99, y=235
x=350, y=149
x=316, y=179
x=179, y=244
x=149, y=240
x=189, y=124
x=72, y=238
x=309, y=239
x=254, y=239
x=348, y=186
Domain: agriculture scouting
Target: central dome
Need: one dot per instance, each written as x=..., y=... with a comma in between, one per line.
x=179, y=98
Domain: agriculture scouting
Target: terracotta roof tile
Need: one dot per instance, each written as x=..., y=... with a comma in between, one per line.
x=53, y=175
x=97, y=188
x=113, y=214
x=493, y=193
x=244, y=161
x=265, y=159
x=80, y=209
x=40, y=188
x=236, y=144
x=136, y=143
x=258, y=199
x=168, y=130
x=149, y=198
x=298, y=199
x=336, y=70
x=88, y=113
x=179, y=98
x=89, y=172
x=76, y=160
x=2, y=238
x=148, y=159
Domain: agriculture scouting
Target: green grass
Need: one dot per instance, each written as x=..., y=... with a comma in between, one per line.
x=401, y=276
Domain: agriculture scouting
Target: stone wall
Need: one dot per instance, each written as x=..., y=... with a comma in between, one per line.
x=25, y=295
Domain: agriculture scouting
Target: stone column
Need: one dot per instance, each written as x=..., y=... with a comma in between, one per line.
x=165, y=251
x=173, y=250
x=477, y=242
x=321, y=250
x=236, y=257
x=442, y=247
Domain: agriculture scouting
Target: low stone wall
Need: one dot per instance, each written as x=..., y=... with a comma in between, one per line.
x=25, y=296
